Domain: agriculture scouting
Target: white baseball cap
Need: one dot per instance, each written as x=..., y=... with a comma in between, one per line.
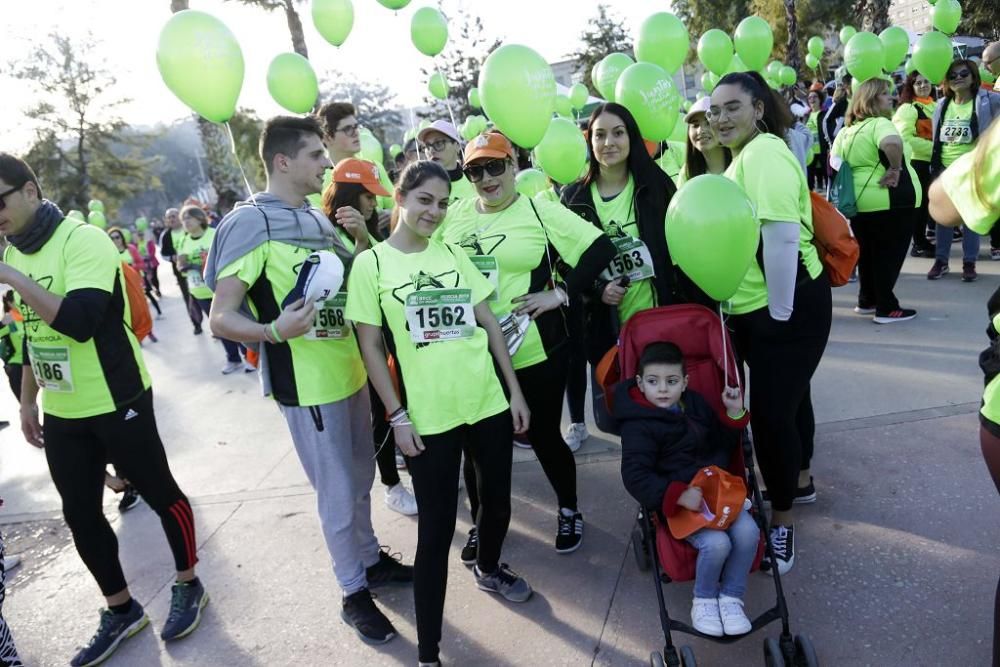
x=320, y=277
x=442, y=126
x=700, y=106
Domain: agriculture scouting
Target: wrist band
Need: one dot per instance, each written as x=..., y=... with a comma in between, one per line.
x=274, y=332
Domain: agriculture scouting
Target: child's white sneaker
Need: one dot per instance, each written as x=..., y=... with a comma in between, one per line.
x=705, y=617
x=734, y=620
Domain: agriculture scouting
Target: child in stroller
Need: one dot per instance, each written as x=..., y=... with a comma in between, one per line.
x=669, y=433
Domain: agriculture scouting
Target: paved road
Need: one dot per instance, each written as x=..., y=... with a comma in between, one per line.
x=896, y=562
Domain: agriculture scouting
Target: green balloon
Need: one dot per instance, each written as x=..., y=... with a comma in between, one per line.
x=562, y=154
x=736, y=64
x=394, y=4
x=76, y=215
x=333, y=19
x=292, y=82
x=754, y=40
x=864, y=56
x=774, y=83
x=774, y=68
x=986, y=75
x=896, y=43
x=846, y=33
x=812, y=62
x=438, y=86
x=95, y=205
x=787, y=76
x=371, y=148
x=932, y=55
x=126, y=235
x=816, y=46
x=409, y=136
x=909, y=66
x=531, y=182
x=648, y=92
x=946, y=16
x=97, y=219
x=201, y=63
x=518, y=91
x=423, y=125
x=564, y=107
x=480, y=123
x=679, y=135
x=715, y=51
x=608, y=71
x=467, y=130
x=474, y=98
x=709, y=81
x=395, y=150
x=429, y=31
x=713, y=233
x=578, y=96
x=662, y=39
x=141, y=224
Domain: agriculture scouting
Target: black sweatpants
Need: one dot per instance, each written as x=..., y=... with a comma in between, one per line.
x=576, y=380
x=816, y=172
x=489, y=445
x=194, y=312
x=921, y=217
x=782, y=357
x=883, y=238
x=14, y=372
x=385, y=442
x=77, y=451
x=543, y=386
x=989, y=441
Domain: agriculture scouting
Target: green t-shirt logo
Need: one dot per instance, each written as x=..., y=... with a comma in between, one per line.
x=476, y=244
x=31, y=319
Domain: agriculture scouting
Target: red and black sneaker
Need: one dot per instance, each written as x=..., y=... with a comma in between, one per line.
x=898, y=315
x=969, y=272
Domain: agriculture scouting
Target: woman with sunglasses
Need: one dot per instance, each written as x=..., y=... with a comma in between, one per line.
x=516, y=242
x=781, y=313
x=130, y=255
x=913, y=120
x=965, y=112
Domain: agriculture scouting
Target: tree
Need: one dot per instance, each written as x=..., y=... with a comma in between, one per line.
x=703, y=15
x=793, y=57
x=374, y=102
x=812, y=17
x=874, y=14
x=604, y=34
x=460, y=63
x=291, y=16
x=81, y=149
x=981, y=17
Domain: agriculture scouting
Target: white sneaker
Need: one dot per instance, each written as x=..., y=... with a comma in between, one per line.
x=576, y=435
x=10, y=562
x=248, y=367
x=705, y=617
x=232, y=367
x=399, y=499
x=734, y=619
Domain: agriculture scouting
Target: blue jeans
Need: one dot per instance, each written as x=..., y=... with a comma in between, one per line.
x=725, y=557
x=943, y=237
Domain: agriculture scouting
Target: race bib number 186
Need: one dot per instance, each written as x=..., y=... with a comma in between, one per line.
x=51, y=367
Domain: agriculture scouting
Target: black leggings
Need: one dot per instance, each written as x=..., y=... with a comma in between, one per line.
x=147, y=287
x=14, y=372
x=77, y=451
x=782, y=357
x=576, y=380
x=543, y=386
x=194, y=312
x=153, y=277
x=489, y=446
x=385, y=442
x=989, y=442
x=817, y=172
x=921, y=218
x=883, y=237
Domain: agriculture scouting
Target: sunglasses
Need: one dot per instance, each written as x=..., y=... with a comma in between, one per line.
x=436, y=146
x=960, y=74
x=3, y=196
x=475, y=172
x=349, y=130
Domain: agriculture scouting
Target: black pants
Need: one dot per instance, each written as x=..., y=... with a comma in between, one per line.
x=883, y=238
x=489, y=445
x=921, y=218
x=147, y=287
x=14, y=372
x=576, y=380
x=543, y=386
x=385, y=443
x=990, y=444
x=77, y=451
x=782, y=357
x=817, y=172
x=232, y=348
x=194, y=312
x=8, y=652
x=153, y=276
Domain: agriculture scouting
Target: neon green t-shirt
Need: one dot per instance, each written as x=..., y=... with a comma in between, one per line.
x=514, y=238
x=955, y=132
x=813, y=125
x=672, y=158
x=773, y=179
x=619, y=221
x=449, y=382
x=126, y=256
x=177, y=237
x=322, y=366
x=196, y=250
x=106, y=371
x=858, y=145
x=462, y=189
x=905, y=119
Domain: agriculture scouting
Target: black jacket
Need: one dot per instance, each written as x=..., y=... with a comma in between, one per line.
x=660, y=447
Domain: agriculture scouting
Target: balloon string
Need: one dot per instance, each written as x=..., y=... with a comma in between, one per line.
x=725, y=355
x=451, y=114
x=246, y=181
x=416, y=142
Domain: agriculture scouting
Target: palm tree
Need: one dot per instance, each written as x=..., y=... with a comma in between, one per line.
x=875, y=14
x=291, y=15
x=793, y=58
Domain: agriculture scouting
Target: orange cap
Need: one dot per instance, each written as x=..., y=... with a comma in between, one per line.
x=723, y=495
x=353, y=170
x=488, y=144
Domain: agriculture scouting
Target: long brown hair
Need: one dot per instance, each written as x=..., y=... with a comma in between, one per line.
x=973, y=74
x=348, y=194
x=694, y=160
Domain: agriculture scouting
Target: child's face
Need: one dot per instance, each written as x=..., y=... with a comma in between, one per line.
x=662, y=384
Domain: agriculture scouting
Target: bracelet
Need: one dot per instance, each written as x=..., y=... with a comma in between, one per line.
x=274, y=332
x=563, y=297
x=267, y=335
x=395, y=413
x=399, y=418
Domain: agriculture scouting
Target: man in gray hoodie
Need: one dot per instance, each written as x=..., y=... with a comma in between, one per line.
x=310, y=360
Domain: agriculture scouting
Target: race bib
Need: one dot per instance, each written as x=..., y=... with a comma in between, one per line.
x=440, y=314
x=51, y=366
x=330, y=323
x=633, y=260
x=195, y=279
x=956, y=131
x=487, y=265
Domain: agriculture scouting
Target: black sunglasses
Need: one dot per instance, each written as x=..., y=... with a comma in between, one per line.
x=960, y=74
x=474, y=172
x=3, y=196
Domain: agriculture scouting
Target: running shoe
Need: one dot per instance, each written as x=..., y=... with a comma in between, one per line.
x=359, y=612
x=995, y=254
x=130, y=499
x=937, y=270
x=521, y=441
x=187, y=599
x=804, y=495
x=388, y=570
x=399, y=499
x=898, y=315
x=734, y=619
x=504, y=582
x=197, y=330
x=922, y=251
x=112, y=631
x=705, y=617
x=576, y=435
x=231, y=367
x=248, y=367
x=569, y=535
x=783, y=545
x=969, y=274
x=470, y=552
x=864, y=310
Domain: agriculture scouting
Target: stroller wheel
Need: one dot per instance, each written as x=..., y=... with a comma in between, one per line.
x=805, y=654
x=772, y=653
x=656, y=660
x=687, y=657
x=639, y=550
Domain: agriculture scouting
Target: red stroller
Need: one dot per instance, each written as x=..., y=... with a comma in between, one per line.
x=710, y=360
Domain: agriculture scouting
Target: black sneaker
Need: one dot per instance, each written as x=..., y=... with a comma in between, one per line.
x=186, y=602
x=359, y=612
x=389, y=570
x=804, y=495
x=783, y=545
x=969, y=272
x=197, y=330
x=112, y=631
x=503, y=582
x=471, y=549
x=569, y=536
x=898, y=315
x=130, y=498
